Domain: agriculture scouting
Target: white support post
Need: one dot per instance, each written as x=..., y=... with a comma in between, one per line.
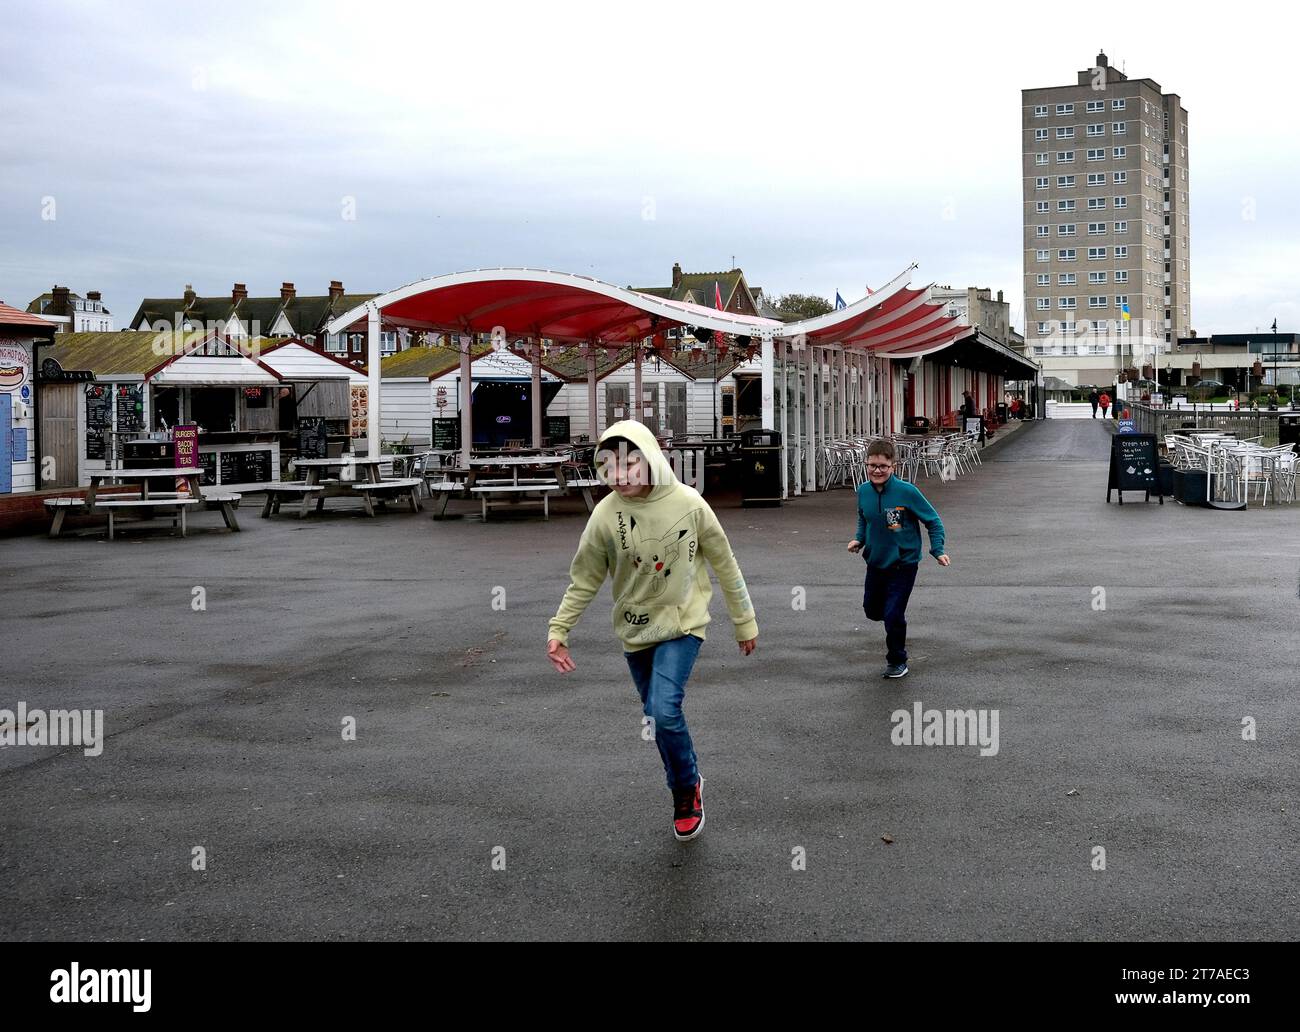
x=373, y=426
x=767, y=384
x=810, y=450
x=465, y=343
x=537, y=393
x=638, y=399
x=798, y=414
x=785, y=424
x=591, y=394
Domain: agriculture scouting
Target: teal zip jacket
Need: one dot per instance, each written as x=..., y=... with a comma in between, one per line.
x=889, y=523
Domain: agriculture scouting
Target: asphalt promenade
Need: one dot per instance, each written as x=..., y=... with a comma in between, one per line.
x=487, y=797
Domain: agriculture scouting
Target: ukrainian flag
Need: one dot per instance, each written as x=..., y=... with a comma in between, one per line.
x=1124, y=311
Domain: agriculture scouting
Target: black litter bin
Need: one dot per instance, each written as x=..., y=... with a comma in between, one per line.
x=760, y=470
x=1003, y=410
x=1165, y=474
x=1288, y=430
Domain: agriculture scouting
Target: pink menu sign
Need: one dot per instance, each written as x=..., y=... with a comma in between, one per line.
x=186, y=439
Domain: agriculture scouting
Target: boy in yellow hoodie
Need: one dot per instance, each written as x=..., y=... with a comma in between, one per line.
x=652, y=534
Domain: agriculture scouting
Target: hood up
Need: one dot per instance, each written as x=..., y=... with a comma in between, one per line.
x=661, y=470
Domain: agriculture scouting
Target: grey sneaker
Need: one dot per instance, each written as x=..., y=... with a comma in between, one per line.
x=895, y=671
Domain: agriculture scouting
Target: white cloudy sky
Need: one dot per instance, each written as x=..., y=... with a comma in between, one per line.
x=820, y=144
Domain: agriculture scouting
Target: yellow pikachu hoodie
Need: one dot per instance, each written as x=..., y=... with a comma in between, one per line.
x=654, y=547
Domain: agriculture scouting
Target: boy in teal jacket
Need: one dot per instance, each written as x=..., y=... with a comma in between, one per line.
x=890, y=514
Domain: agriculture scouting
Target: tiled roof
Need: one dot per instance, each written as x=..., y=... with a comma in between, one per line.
x=306, y=314
x=10, y=316
x=570, y=364
x=427, y=362
x=129, y=352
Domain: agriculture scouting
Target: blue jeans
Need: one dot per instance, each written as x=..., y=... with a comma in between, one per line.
x=884, y=597
x=660, y=673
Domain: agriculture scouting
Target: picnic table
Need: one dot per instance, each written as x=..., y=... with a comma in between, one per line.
x=495, y=491
x=369, y=488
x=145, y=500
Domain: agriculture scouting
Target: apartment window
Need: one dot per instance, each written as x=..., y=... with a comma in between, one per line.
x=1096, y=203
x=1043, y=328
x=1067, y=302
x=1121, y=227
x=1065, y=279
x=1066, y=254
x=1121, y=177
x=1065, y=182
x=1096, y=178
x=1121, y=202
x=1067, y=326
x=1101, y=326
x=1096, y=253
x=1040, y=159
x=1042, y=231
x=387, y=342
x=1118, y=105
x=1040, y=183
x=335, y=342
x=1098, y=301
x=1040, y=110
x=1099, y=129
x=1096, y=153
x=1096, y=277
x=1065, y=132
x=1065, y=229
x=1121, y=152
x=1043, y=303
x=1065, y=155
x=1043, y=207
x=1044, y=279
x=1040, y=134
x=1065, y=109
x=1119, y=128
x=1121, y=275
x=1121, y=300
x=1065, y=205
x=1096, y=105
x=1042, y=256
x=1096, y=228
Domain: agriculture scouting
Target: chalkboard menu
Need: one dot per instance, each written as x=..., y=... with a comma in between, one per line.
x=446, y=434
x=311, y=438
x=556, y=429
x=99, y=419
x=208, y=463
x=255, y=467
x=130, y=406
x=1133, y=466
x=230, y=467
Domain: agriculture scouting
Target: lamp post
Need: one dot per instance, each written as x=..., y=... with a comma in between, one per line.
x=1275, y=382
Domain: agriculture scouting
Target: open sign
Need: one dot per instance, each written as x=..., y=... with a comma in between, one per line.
x=503, y=419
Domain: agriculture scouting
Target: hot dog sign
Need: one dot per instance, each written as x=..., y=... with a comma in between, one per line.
x=15, y=363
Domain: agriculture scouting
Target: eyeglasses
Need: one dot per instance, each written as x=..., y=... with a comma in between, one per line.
x=879, y=469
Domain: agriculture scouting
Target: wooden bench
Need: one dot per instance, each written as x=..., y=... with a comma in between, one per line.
x=585, y=486
x=226, y=503
x=178, y=507
x=277, y=492
x=545, y=489
x=409, y=486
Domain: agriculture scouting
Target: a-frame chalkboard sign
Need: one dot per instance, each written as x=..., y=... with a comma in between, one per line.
x=1133, y=466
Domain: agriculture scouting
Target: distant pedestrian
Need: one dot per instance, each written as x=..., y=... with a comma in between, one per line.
x=1104, y=402
x=1093, y=399
x=890, y=513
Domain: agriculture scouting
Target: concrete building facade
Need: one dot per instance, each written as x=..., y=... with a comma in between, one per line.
x=1107, y=267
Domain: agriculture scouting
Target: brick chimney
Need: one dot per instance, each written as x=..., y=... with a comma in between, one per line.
x=238, y=293
x=677, y=275
x=287, y=293
x=190, y=296
x=59, y=303
x=94, y=295
x=999, y=297
x=336, y=289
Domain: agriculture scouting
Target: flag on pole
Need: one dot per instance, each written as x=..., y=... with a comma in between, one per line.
x=1123, y=309
x=839, y=301
x=717, y=296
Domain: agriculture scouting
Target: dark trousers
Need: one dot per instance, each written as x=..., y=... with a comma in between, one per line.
x=884, y=597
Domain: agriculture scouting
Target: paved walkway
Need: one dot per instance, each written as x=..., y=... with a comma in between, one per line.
x=224, y=731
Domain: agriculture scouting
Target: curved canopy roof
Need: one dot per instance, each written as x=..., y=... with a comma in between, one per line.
x=579, y=309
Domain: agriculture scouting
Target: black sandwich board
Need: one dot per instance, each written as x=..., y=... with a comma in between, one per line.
x=1133, y=466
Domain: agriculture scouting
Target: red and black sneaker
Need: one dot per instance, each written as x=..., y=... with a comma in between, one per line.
x=688, y=811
